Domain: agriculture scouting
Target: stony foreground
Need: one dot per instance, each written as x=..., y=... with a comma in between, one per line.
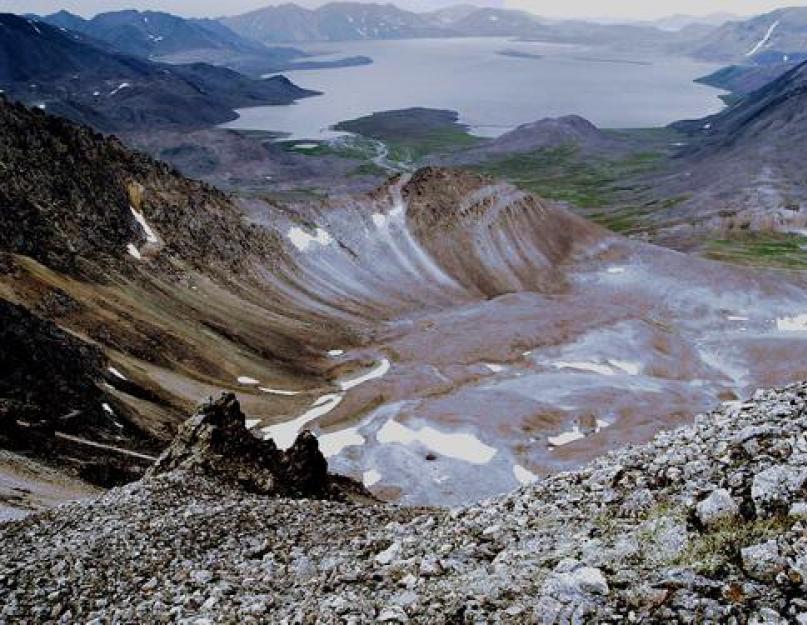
x=707, y=524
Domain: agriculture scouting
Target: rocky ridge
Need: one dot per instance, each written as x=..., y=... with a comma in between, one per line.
x=215, y=441
x=704, y=524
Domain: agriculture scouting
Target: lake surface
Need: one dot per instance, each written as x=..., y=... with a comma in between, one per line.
x=493, y=92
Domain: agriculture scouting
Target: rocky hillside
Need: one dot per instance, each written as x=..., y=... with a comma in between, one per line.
x=703, y=524
x=736, y=172
x=782, y=32
x=74, y=76
x=105, y=256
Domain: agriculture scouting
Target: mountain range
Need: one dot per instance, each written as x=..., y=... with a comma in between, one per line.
x=344, y=21
x=72, y=75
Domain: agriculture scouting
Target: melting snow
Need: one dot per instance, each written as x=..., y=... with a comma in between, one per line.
x=380, y=370
x=275, y=391
x=765, y=39
x=247, y=380
x=302, y=240
x=132, y=249
x=792, y=324
x=285, y=433
x=631, y=368
x=564, y=438
x=332, y=444
x=123, y=85
x=523, y=475
x=462, y=446
x=371, y=478
x=116, y=373
x=586, y=366
x=151, y=237
x=251, y=423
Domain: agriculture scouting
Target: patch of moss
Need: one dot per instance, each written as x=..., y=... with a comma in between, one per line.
x=761, y=249
x=369, y=169
x=563, y=174
x=708, y=552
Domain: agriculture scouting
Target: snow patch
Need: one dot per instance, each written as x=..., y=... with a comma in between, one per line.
x=371, y=477
x=247, y=381
x=616, y=270
x=117, y=373
x=631, y=368
x=276, y=391
x=251, y=423
x=120, y=87
x=285, y=433
x=379, y=220
x=132, y=249
x=303, y=240
x=575, y=434
x=379, y=371
x=334, y=443
x=523, y=475
x=593, y=367
x=765, y=39
x=151, y=237
x=494, y=367
x=334, y=353
x=461, y=446
x=792, y=324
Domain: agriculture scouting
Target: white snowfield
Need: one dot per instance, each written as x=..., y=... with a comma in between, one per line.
x=380, y=370
x=284, y=434
x=792, y=324
x=132, y=249
x=371, y=478
x=462, y=446
x=117, y=373
x=334, y=443
x=151, y=236
x=119, y=88
x=277, y=391
x=524, y=476
x=764, y=41
x=302, y=240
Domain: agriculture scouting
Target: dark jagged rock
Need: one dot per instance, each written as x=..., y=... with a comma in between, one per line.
x=216, y=442
x=44, y=371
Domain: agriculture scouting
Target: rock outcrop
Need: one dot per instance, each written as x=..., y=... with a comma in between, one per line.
x=702, y=525
x=216, y=442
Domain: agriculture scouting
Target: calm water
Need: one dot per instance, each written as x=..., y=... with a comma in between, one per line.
x=492, y=92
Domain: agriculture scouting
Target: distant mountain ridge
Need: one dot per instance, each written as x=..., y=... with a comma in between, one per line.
x=153, y=34
x=781, y=33
x=72, y=75
x=351, y=21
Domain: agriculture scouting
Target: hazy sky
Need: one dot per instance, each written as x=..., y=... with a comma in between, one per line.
x=553, y=8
